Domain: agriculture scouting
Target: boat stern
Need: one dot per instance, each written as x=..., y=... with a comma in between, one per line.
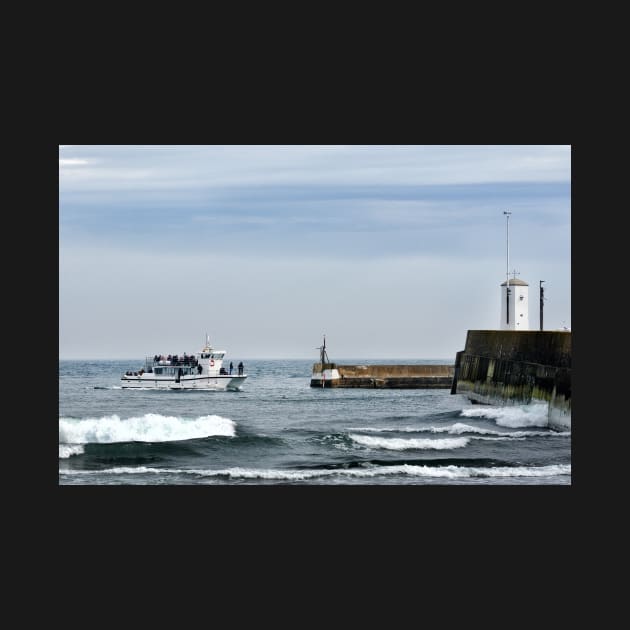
x=236, y=382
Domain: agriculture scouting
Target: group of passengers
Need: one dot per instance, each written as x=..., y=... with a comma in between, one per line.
x=140, y=373
x=174, y=359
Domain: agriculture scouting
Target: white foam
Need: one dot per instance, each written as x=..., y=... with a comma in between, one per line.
x=388, y=429
x=458, y=428
x=451, y=472
x=532, y=415
x=123, y=470
x=401, y=444
x=67, y=450
x=150, y=427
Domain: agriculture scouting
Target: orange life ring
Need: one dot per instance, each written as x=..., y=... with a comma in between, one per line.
x=211, y=362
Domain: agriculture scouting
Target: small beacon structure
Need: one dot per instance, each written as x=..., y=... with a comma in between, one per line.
x=514, y=305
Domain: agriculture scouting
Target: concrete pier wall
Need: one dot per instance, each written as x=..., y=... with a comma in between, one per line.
x=517, y=367
x=384, y=376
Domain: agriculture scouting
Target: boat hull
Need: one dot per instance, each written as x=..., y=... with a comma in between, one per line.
x=200, y=383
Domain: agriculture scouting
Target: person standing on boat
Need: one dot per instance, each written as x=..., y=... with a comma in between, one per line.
x=231, y=367
x=240, y=368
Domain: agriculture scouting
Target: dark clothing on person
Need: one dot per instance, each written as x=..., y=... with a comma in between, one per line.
x=240, y=368
x=231, y=367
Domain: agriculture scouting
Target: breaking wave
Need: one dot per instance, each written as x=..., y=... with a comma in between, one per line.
x=150, y=427
x=67, y=450
x=450, y=472
x=459, y=427
x=533, y=415
x=401, y=444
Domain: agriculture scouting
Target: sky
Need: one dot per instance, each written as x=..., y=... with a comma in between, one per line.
x=391, y=251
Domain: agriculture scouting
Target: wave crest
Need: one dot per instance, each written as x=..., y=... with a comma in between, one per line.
x=451, y=472
x=459, y=427
x=401, y=444
x=68, y=450
x=150, y=427
x=532, y=415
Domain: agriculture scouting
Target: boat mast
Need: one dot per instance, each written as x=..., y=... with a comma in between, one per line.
x=206, y=347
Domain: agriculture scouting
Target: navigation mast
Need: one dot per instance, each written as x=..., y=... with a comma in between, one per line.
x=323, y=356
x=507, y=267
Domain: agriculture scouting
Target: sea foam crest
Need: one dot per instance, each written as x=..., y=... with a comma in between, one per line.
x=67, y=450
x=151, y=427
x=451, y=472
x=401, y=444
x=458, y=428
x=532, y=415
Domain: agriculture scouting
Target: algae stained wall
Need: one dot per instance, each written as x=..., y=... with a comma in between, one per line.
x=545, y=347
x=517, y=367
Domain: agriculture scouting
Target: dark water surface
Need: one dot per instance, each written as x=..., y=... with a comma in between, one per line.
x=279, y=430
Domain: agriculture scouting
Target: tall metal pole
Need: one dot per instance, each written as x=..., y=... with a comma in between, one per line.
x=507, y=267
x=542, y=293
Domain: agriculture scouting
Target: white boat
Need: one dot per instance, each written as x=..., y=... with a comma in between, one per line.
x=202, y=371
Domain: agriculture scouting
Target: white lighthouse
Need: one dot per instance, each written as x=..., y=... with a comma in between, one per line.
x=515, y=306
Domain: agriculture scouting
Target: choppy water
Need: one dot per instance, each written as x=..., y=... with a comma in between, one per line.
x=279, y=430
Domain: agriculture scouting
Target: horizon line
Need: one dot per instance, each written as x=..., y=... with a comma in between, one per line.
x=263, y=358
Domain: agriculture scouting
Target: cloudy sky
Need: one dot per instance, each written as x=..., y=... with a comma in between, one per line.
x=391, y=251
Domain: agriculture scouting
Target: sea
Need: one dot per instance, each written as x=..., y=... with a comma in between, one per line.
x=278, y=430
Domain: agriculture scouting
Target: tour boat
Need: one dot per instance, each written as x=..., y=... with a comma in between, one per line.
x=202, y=371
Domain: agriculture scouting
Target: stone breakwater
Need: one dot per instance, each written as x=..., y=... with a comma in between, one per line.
x=517, y=367
x=383, y=376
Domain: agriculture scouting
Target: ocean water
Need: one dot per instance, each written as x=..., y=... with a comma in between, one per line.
x=279, y=430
